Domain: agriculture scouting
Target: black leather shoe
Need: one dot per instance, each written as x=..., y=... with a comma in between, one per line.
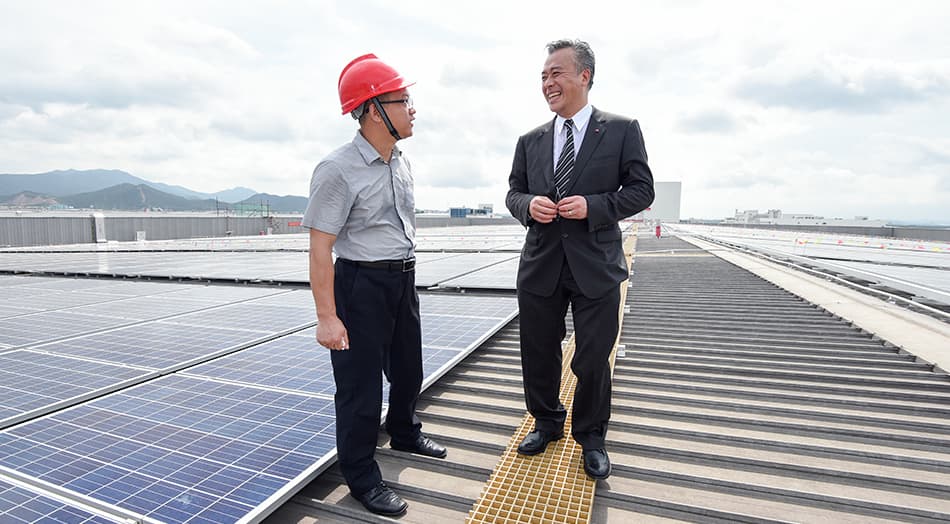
x=596, y=463
x=383, y=501
x=422, y=446
x=537, y=441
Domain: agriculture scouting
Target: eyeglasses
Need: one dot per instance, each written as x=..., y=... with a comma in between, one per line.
x=406, y=101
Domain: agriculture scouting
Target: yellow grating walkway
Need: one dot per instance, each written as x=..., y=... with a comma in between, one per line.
x=551, y=486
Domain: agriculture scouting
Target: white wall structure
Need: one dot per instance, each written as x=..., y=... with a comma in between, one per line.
x=666, y=206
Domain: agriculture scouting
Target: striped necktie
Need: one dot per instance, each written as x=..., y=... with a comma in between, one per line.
x=565, y=162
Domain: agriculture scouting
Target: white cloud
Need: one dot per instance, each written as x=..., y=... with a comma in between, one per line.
x=711, y=121
x=821, y=107
x=847, y=84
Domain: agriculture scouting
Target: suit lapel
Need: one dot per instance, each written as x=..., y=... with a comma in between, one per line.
x=546, y=145
x=592, y=135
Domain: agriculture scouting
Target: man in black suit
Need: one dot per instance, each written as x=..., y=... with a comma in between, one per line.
x=571, y=182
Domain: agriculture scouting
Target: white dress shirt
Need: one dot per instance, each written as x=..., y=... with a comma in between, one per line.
x=581, y=118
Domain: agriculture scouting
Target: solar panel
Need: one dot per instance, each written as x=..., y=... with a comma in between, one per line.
x=433, y=266
x=249, y=316
x=12, y=311
x=139, y=287
x=67, y=284
x=437, y=271
x=178, y=448
x=144, y=307
x=9, y=280
x=20, y=504
x=15, y=293
x=483, y=238
x=108, y=286
x=486, y=306
x=292, y=363
x=499, y=276
x=192, y=265
x=299, y=298
x=225, y=293
x=434, y=360
x=448, y=332
x=50, y=325
x=32, y=382
x=154, y=345
x=63, y=299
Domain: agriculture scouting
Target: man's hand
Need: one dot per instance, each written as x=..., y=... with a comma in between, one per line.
x=542, y=210
x=572, y=207
x=331, y=334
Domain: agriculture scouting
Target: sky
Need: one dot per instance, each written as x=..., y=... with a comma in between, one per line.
x=834, y=108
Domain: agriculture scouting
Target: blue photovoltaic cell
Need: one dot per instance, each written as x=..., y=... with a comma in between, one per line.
x=432, y=273
x=50, y=325
x=484, y=306
x=42, y=299
x=143, y=308
x=31, y=381
x=251, y=316
x=447, y=332
x=295, y=363
x=433, y=359
x=499, y=276
x=155, y=345
x=7, y=311
x=17, y=293
x=177, y=448
x=224, y=293
x=298, y=298
x=20, y=505
x=291, y=362
x=68, y=284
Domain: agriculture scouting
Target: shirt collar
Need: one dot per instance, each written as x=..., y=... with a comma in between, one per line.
x=367, y=151
x=580, y=119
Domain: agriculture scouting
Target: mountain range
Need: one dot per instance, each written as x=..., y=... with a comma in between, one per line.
x=118, y=190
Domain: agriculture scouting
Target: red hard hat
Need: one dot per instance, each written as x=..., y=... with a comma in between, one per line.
x=367, y=77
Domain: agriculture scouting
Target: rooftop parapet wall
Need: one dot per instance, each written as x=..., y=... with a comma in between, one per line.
x=38, y=230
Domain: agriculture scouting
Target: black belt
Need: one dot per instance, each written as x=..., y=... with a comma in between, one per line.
x=404, y=266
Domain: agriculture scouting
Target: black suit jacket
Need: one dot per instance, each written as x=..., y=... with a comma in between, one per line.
x=611, y=172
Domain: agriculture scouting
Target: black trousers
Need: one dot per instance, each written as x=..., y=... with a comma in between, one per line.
x=380, y=309
x=596, y=324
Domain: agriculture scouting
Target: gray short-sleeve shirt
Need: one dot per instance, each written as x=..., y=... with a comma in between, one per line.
x=367, y=203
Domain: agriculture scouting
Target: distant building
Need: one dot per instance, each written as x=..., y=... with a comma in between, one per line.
x=666, y=205
x=777, y=217
x=462, y=212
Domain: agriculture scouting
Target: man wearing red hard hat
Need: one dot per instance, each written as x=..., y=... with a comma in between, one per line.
x=362, y=207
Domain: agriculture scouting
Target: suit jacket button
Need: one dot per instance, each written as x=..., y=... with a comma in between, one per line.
x=563, y=235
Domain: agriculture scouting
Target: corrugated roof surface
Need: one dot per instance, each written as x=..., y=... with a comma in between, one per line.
x=736, y=401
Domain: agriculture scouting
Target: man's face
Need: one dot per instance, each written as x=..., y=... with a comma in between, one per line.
x=398, y=106
x=563, y=87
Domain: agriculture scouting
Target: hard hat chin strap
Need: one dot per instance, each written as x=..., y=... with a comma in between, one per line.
x=389, y=124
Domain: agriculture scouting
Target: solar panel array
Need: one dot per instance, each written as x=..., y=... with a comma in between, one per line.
x=443, y=254
x=459, y=238
x=129, y=398
x=193, y=403
x=432, y=268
